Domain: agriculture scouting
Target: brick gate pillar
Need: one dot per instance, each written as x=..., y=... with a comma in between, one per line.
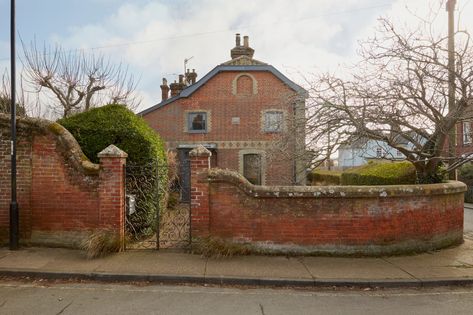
x=200, y=207
x=112, y=191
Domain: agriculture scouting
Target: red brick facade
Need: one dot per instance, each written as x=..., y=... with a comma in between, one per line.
x=235, y=97
x=333, y=219
x=61, y=196
x=464, y=143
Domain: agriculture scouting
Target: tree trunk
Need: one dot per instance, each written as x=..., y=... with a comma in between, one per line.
x=428, y=172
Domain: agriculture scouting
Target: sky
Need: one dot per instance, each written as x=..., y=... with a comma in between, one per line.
x=153, y=37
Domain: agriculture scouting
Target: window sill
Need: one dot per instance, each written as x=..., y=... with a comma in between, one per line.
x=196, y=131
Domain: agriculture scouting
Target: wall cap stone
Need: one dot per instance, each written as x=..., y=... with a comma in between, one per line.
x=220, y=175
x=68, y=144
x=112, y=151
x=200, y=151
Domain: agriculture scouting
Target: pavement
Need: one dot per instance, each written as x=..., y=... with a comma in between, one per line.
x=451, y=266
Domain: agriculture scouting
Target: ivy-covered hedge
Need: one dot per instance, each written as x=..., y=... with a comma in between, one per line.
x=324, y=177
x=146, y=163
x=398, y=173
x=465, y=174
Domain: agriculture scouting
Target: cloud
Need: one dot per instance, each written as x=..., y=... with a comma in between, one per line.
x=154, y=37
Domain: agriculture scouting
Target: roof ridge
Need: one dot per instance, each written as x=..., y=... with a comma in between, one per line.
x=243, y=61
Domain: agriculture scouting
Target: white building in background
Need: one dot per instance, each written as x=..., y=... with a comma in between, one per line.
x=363, y=150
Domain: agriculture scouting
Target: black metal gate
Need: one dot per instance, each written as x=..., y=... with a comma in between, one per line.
x=153, y=225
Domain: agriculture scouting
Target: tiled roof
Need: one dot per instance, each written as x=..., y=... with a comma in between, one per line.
x=229, y=66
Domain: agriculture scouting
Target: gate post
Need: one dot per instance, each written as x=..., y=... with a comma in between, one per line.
x=200, y=207
x=112, y=192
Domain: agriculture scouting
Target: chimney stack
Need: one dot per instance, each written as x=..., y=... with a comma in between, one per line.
x=244, y=50
x=174, y=88
x=182, y=83
x=191, y=77
x=164, y=90
x=246, y=42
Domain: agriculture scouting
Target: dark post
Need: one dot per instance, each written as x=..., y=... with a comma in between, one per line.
x=14, y=217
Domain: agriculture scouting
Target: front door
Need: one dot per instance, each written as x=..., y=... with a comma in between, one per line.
x=252, y=168
x=184, y=174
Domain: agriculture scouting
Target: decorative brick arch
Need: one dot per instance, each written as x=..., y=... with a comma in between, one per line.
x=238, y=76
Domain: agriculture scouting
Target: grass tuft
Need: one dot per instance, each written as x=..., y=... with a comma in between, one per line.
x=214, y=247
x=101, y=243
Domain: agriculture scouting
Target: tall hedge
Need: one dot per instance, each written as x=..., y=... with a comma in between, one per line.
x=146, y=163
x=398, y=173
x=324, y=177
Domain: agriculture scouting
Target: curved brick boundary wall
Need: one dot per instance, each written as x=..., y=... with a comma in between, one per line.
x=340, y=220
x=62, y=195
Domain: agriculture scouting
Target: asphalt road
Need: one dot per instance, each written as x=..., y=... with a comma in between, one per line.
x=22, y=298
x=41, y=297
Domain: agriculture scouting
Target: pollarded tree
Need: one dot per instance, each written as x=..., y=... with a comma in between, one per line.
x=397, y=94
x=76, y=81
x=5, y=100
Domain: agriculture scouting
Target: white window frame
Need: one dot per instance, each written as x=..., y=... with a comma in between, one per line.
x=279, y=126
x=379, y=153
x=467, y=132
x=189, y=121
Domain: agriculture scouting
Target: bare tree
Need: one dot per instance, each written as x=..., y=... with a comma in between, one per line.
x=5, y=99
x=76, y=81
x=398, y=93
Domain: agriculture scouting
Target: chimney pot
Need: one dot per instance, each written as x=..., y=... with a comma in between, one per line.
x=164, y=90
x=244, y=50
x=174, y=89
x=237, y=40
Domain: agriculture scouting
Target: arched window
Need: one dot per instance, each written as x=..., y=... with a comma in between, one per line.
x=244, y=84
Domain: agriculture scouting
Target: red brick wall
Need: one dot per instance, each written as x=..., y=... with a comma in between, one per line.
x=461, y=147
x=216, y=96
x=61, y=197
x=338, y=220
x=24, y=179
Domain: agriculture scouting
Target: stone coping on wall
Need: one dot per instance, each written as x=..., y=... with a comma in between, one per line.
x=68, y=144
x=232, y=177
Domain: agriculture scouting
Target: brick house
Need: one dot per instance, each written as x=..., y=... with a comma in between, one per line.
x=246, y=112
x=464, y=143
